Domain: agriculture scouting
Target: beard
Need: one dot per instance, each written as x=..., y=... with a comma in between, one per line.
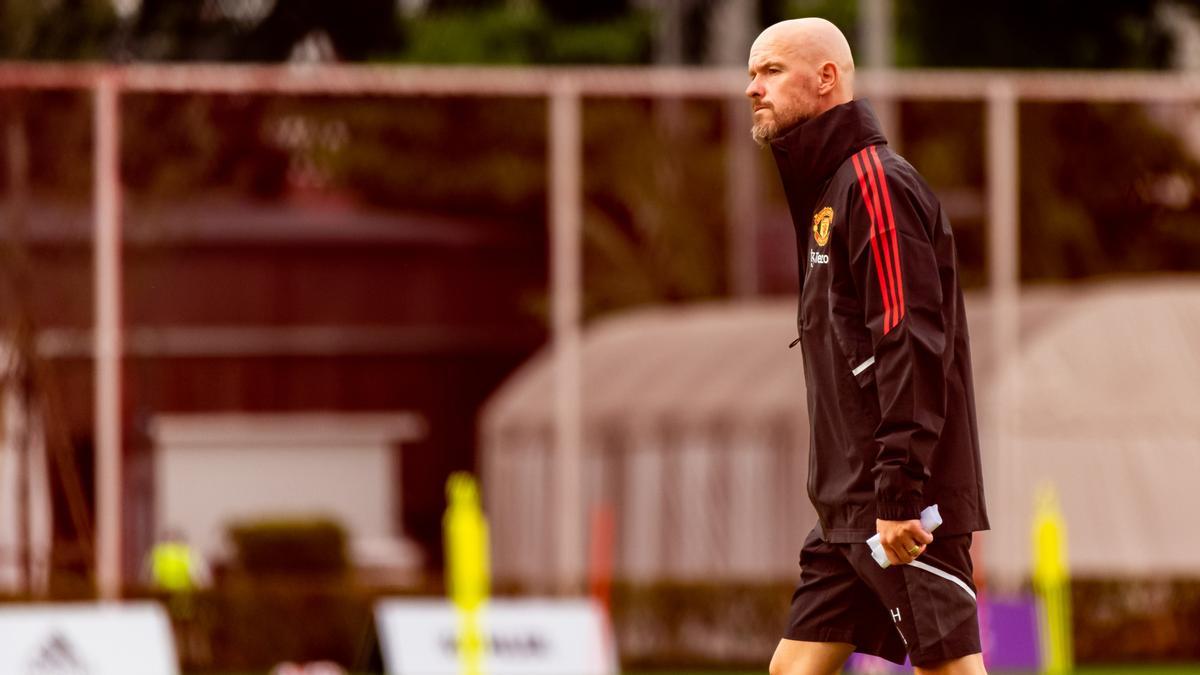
x=765, y=132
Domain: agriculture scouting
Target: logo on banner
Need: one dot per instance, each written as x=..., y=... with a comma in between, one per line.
x=86, y=639
x=518, y=637
x=57, y=657
x=527, y=645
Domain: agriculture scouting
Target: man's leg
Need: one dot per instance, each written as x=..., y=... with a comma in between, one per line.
x=834, y=612
x=966, y=665
x=795, y=657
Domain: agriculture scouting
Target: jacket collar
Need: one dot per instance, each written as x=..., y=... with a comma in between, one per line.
x=809, y=153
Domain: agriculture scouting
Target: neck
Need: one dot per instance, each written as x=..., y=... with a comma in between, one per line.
x=808, y=153
x=832, y=100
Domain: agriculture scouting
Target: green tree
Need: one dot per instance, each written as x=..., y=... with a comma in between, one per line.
x=65, y=30
x=166, y=30
x=1093, y=199
x=1027, y=34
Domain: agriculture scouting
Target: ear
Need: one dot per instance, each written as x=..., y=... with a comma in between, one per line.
x=827, y=77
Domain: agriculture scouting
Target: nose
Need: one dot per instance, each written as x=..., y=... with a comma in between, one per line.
x=754, y=89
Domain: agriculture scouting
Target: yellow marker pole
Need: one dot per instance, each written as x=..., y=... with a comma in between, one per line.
x=467, y=566
x=1052, y=583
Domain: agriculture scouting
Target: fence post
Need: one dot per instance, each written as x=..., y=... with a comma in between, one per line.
x=1003, y=194
x=107, y=289
x=566, y=278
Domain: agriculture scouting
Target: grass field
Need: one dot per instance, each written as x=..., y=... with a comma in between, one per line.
x=1142, y=670
x=1188, y=669
x=1131, y=669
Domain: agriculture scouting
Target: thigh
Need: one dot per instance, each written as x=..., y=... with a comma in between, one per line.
x=930, y=601
x=797, y=657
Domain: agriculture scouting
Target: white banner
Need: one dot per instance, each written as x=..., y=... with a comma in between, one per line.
x=86, y=639
x=521, y=637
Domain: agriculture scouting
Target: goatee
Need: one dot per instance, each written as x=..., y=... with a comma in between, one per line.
x=763, y=134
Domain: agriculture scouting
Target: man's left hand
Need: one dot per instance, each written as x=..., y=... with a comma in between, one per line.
x=902, y=540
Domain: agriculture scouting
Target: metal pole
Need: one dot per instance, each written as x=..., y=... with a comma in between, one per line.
x=878, y=55
x=731, y=47
x=20, y=447
x=566, y=212
x=668, y=49
x=1004, y=282
x=107, y=284
x=18, y=363
x=741, y=206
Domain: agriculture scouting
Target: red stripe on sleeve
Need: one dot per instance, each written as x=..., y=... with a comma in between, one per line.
x=883, y=237
x=887, y=200
x=879, y=273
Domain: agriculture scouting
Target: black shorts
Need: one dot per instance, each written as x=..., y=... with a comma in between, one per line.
x=926, y=610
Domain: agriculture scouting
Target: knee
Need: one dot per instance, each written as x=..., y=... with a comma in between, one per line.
x=809, y=658
x=966, y=665
x=781, y=665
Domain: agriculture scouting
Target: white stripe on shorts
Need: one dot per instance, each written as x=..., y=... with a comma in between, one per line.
x=863, y=366
x=945, y=575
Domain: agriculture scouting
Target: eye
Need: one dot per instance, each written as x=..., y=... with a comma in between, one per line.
x=773, y=70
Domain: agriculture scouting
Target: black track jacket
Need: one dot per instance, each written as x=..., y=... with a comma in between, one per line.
x=887, y=363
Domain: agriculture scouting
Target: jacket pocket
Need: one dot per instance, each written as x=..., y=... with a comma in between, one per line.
x=859, y=360
x=853, y=341
x=860, y=371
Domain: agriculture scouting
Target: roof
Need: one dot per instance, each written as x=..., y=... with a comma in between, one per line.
x=1119, y=361
x=678, y=364
x=729, y=361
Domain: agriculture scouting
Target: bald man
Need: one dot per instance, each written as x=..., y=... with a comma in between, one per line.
x=888, y=372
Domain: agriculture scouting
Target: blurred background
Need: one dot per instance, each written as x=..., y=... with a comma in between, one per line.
x=274, y=269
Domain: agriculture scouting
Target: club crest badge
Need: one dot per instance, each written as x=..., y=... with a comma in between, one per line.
x=821, y=223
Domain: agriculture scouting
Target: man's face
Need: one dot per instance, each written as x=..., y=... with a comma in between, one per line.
x=782, y=90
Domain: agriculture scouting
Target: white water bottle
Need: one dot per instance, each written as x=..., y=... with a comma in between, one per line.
x=930, y=519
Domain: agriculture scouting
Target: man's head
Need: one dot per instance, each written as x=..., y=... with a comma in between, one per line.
x=798, y=69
